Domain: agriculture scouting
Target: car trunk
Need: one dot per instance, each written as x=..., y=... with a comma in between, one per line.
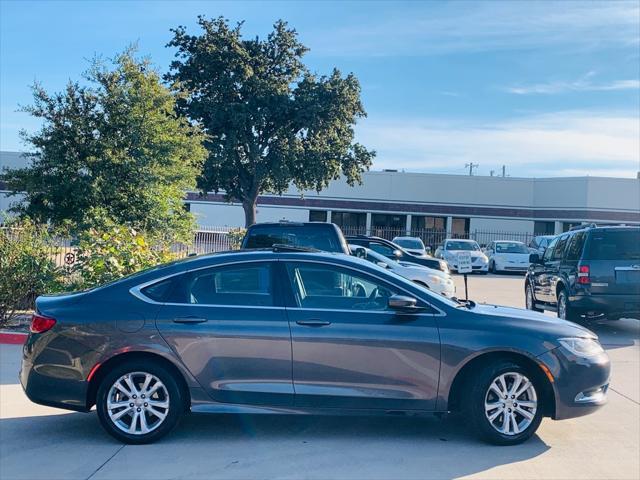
x=613, y=258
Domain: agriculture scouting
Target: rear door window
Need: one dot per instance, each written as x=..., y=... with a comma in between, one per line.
x=614, y=245
x=574, y=250
x=243, y=285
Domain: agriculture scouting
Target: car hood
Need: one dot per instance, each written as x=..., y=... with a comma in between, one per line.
x=539, y=321
x=474, y=253
x=417, y=253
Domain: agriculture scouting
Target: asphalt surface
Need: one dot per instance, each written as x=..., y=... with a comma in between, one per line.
x=38, y=442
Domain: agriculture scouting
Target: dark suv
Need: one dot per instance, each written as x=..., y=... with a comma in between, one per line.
x=396, y=252
x=317, y=235
x=590, y=271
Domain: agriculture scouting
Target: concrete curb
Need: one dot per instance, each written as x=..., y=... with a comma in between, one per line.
x=12, y=338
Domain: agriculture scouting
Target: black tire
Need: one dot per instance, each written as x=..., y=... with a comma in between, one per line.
x=530, y=300
x=565, y=311
x=475, y=406
x=492, y=267
x=173, y=412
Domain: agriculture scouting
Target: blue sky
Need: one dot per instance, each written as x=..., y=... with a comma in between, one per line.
x=545, y=88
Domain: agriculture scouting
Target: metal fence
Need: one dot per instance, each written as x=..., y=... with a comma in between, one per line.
x=216, y=239
x=434, y=237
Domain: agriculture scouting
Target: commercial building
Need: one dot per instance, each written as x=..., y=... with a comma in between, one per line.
x=391, y=202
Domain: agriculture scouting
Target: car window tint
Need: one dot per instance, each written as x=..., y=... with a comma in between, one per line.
x=558, y=251
x=549, y=251
x=574, y=249
x=382, y=249
x=158, y=291
x=614, y=245
x=247, y=284
x=329, y=287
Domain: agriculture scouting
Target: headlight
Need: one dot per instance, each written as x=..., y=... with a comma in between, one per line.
x=434, y=279
x=582, y=347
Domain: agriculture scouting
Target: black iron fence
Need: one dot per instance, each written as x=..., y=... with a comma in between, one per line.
x=434, y=237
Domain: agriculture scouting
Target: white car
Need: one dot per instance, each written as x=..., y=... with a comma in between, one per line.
x=507, y=256
x=451, y=247
x=434, y=280
x=412, y=245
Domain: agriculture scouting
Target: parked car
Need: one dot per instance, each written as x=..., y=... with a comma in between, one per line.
x=253, y=331
x=589, y=272
x=319, y=235
x=507, y=256
x=393, y=251
x=540, y=243
x=413, y=245
x=436, y=280
x=451, y=247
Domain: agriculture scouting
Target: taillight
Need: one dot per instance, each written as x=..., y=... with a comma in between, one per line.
x=40, y=323
x=583, y=274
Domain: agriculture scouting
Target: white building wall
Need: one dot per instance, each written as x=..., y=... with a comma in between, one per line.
x=500, y=225
x=232, y=215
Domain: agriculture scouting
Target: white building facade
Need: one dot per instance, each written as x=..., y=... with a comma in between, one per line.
x=391, y=203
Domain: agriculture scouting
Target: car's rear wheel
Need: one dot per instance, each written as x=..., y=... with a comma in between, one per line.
x=139, y=402
x=504, y=404
x=530, y=300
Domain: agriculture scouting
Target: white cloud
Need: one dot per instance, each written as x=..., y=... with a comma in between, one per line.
x=575, y=142
x=583, y=84
x=434, y=28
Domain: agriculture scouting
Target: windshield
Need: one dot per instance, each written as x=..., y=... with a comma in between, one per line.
x=469, y=246
x=511, y=247
x=544, y=242
x=412, y=243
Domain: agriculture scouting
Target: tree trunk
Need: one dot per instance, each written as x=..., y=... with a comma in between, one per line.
x=249, y=206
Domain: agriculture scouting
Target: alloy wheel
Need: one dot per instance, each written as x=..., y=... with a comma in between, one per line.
x=138, y=403
x=511, y=403
x=529, y=299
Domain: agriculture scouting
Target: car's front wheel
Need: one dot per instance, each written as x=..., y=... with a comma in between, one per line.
x=530, y=299
x=139, y=402
x=504, y=404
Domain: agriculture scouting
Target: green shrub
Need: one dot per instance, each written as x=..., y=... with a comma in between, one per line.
x=27, y=267
x=235, y=236
x=110, y=251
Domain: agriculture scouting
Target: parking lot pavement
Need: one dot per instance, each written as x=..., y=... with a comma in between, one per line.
x=44, y=443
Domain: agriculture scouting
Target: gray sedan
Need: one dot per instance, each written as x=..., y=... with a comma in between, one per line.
x=291, y=332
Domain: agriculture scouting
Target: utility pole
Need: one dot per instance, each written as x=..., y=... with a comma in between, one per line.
x=491, y=173
x=504, y=170
x=471, y=166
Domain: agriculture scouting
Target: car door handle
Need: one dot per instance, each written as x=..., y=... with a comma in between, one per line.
x=189, y=320
x=313, y=323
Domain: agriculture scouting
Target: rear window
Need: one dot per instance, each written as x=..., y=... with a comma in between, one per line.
x=614, y=245
x=320, y=237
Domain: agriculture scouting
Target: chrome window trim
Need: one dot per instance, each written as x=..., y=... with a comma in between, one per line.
x=136, y=291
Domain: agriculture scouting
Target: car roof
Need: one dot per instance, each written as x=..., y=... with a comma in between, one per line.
x=508, y=241
x=290, y=224
x=459, y=240
x=406, y=238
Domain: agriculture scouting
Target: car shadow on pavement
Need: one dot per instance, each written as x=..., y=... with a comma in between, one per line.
x=617, y=333
x=259, y=446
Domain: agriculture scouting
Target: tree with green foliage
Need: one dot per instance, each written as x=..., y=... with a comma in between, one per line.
x=270, y=121
x=116, y=144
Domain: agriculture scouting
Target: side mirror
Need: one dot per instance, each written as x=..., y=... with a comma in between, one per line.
x=535, y=258
x=402, y=302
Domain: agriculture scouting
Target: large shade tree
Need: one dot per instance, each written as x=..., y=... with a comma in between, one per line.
x=113, y=146
x=270, y=121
